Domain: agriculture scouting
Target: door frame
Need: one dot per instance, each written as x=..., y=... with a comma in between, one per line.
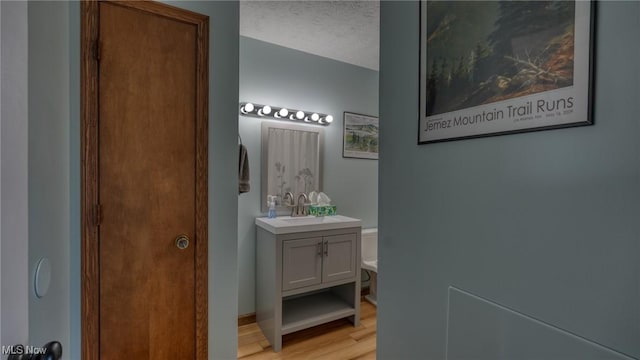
x=90, y=211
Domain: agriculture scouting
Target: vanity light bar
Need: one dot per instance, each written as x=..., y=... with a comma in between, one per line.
x=280, y=113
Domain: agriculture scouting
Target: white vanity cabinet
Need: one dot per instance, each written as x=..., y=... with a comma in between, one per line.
x=311, y=261
x=302, y=262
x=306, y=278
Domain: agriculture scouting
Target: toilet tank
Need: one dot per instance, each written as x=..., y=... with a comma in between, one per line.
x=369, y=247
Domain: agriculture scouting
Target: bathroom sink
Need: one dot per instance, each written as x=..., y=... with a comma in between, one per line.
x=288, y=224
x=310, y=220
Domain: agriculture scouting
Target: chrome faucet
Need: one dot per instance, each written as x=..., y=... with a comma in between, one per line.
x=284, y=199
x=291, y=204
x=301, y=208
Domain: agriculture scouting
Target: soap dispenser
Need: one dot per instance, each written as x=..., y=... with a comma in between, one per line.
x=271, y=202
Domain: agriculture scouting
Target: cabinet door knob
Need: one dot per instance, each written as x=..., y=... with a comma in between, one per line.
x=319, y=248
x=326, y=248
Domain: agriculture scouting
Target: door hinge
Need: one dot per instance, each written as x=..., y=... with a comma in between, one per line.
x=97, y=214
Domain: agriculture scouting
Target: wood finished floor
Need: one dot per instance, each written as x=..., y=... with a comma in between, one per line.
x=337, y=340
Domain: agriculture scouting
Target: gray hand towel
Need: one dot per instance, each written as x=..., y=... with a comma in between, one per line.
x=243, y=171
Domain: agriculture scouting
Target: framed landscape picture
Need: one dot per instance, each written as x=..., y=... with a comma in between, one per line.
x=360, y=136
x=498, y=67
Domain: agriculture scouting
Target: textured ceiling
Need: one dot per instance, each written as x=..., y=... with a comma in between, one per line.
x=347, y=31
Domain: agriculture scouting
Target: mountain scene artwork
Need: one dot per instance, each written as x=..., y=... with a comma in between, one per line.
x=491, y=67
x=503, y=50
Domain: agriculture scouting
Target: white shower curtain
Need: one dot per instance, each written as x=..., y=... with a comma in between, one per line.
x=293, y=162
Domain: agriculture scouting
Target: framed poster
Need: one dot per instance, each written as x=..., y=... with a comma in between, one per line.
x=360, y=136
x=498, y=67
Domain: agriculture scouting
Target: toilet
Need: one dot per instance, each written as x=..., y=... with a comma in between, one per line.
x=369, y=251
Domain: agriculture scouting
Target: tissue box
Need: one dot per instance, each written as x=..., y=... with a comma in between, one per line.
x=322, y=210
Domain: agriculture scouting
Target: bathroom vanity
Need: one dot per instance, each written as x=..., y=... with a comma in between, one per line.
x=307, y=273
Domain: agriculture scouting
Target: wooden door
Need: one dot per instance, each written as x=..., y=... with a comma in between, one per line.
x=301, y=263
x=145, y=138
x=340, y=257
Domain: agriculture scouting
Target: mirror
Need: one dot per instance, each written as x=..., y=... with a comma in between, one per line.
x=291, y=161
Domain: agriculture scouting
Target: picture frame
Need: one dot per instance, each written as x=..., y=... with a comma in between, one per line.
x=503, y=67
x=360, y=136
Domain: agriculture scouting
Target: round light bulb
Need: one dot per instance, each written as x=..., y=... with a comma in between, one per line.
x=266, y=109
x=315, y=117
x=248, y=107
x=283, y=112
x=329, y=119
x=300, y=115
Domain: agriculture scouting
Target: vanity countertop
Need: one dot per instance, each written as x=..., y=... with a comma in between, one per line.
x=288, y=224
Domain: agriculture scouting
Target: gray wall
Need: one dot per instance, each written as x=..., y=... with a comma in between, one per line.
x=14, y=196
x=1, y=102
x=223, y=204
x=74, y=182
x=505, y=241
x=49, y=167
x=271, y=74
